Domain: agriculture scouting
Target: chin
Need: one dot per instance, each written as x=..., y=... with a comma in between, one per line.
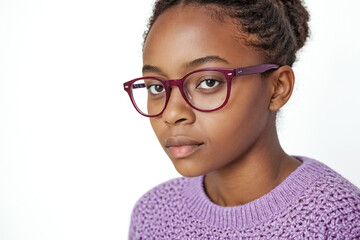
x=188, y=170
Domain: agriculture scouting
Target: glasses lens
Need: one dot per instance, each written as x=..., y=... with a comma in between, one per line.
x=149, y=96
x=206, y=90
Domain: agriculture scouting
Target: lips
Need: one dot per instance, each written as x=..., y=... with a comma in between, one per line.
x=181, y=146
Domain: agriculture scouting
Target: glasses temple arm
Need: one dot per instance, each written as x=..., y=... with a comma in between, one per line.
x=255, y=69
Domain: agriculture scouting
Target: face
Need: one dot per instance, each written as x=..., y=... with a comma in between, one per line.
x=201, y=142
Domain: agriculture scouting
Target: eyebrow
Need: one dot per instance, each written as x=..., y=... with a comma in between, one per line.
x=149, y=68
x=193, y=63
x=203, y=60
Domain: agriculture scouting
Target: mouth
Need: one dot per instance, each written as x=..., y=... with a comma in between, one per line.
x=182, y=147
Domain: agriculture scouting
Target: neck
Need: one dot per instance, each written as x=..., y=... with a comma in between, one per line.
x=264, y=166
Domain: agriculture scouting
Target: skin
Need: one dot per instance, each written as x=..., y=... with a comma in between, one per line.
x=240, y=154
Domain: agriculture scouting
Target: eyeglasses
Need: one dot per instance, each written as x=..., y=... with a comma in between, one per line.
x=205, y=90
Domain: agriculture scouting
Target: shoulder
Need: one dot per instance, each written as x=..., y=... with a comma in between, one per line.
x=337, y=188
x=335, y=202
x=156, y=205
x=170, y=189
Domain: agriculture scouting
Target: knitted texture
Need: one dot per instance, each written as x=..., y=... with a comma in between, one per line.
x=313, y=202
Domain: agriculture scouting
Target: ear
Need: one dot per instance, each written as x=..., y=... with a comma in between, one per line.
x=283, y=81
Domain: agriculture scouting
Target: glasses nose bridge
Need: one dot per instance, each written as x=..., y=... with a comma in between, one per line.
x=175, y=83
x=179, y=84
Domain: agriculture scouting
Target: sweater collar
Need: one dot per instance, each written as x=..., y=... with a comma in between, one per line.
x=257, y=211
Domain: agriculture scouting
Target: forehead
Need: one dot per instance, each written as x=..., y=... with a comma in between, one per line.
x=184, y=33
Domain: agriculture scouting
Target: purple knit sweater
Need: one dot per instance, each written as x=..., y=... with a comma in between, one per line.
x=313, y=202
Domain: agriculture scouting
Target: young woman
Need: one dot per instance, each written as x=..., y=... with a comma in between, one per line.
x=215, y=74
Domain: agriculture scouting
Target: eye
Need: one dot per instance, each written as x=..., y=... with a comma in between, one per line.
x=156, y=89
x=208, y=84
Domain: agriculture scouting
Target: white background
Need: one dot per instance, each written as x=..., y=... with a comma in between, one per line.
x=74, y=154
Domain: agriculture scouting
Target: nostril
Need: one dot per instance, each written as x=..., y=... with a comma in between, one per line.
x=180, y=120
x=176, y=122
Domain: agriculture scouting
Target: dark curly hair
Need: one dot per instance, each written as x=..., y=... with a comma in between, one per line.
x=279, y=28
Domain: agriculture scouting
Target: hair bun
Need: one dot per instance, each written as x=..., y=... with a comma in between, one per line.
x=298, y=17
x=278, y=28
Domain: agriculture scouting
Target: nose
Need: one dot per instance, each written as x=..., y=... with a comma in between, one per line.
x=178, y=111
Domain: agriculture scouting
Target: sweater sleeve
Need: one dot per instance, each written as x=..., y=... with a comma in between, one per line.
x=132, y=228
x=345, y=218
x=346, y=227
x=134, y=223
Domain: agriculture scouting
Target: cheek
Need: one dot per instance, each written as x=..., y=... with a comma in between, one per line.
x=233, y=129
x=228, y=133
x=157, y=127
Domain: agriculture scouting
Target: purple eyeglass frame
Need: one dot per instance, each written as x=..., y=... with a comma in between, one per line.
x=229, y=74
